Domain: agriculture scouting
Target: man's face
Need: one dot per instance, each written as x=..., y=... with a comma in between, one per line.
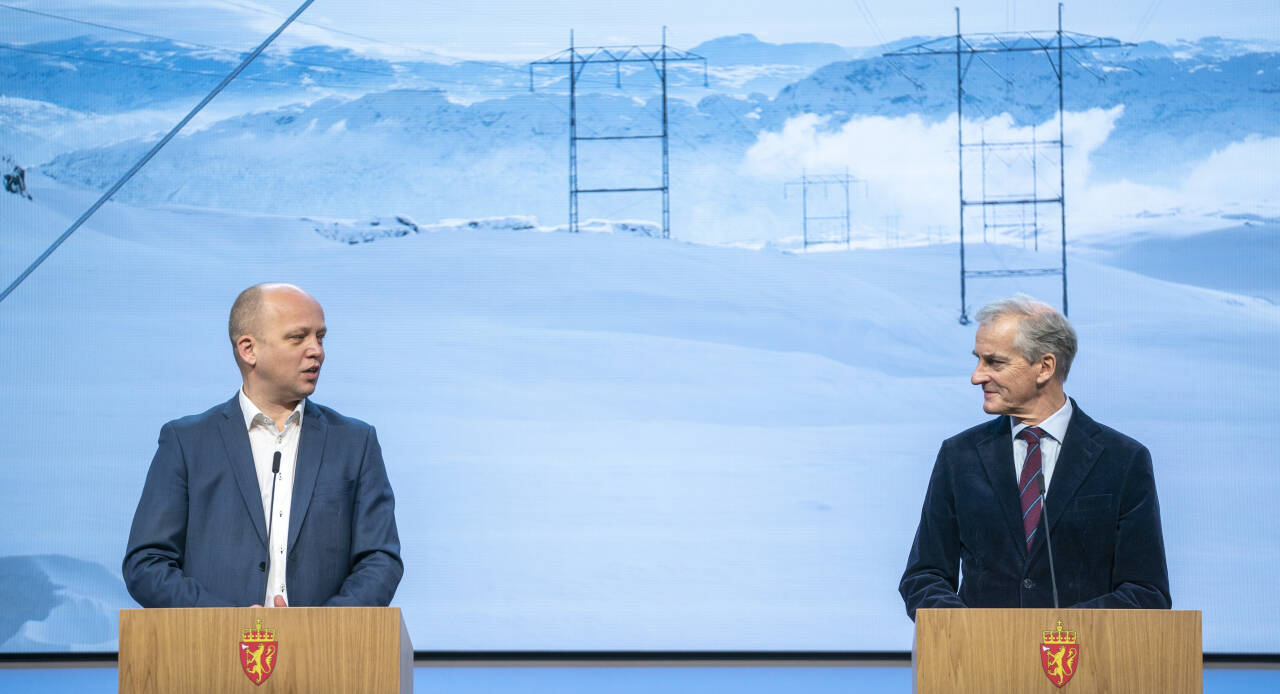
x=289, y=345
x=1009, y=383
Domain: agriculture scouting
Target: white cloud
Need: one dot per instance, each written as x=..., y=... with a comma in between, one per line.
x=1243, y=171
x=909, y=163
x=1239, y=178
x=909, y=168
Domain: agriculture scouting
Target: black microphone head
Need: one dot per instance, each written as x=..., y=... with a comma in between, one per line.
x=275, y=467
x=1039, y=478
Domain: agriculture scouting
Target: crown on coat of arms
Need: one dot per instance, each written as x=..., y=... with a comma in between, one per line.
x=259, y=634
x=1059, y=636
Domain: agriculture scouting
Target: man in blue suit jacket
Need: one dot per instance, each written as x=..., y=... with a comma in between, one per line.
x=200, y=535
x=976, y=546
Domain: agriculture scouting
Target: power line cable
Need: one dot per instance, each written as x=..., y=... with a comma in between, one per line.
x=96, y=24
x=1145, y=22
x=275, y=13
x=143, y=34
x=871, y=21
x=1141, y=29
x=157, y=68
x=154, y=150
x=275, y=56
x=511, y=90
x=371, y=39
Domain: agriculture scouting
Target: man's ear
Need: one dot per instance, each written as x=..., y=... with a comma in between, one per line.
x=1048, y=367
x=246, y=349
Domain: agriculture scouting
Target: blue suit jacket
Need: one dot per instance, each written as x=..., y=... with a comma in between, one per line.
x=1103, y=518
x=199, y=536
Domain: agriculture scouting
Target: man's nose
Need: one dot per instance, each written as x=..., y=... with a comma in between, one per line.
x=979, y=376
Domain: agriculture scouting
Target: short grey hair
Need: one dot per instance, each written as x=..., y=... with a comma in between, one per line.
x=1041, y=330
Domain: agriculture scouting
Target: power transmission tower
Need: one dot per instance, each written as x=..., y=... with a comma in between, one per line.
x=967, y=48
x=577, y=59
x=814, y=236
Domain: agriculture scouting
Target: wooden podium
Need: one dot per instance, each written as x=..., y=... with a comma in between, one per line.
x=1095, y=651
x=256, y=649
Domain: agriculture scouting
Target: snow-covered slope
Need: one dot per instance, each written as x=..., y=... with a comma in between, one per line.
x=606, y=440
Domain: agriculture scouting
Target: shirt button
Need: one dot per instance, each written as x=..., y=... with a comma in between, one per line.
x=1028, y=583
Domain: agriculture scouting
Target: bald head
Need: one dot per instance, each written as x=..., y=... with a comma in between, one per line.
x=277, y=331
x=250, y=306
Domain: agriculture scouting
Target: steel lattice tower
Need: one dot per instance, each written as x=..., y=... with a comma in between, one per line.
x=577, y=59
x=807, y=181
x=966, y=48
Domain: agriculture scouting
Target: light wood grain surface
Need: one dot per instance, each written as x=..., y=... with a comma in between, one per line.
x=998, y=651
x=320, y=649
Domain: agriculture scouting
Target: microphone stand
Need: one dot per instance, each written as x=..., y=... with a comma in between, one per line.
x=1044, y=517
x=271, y=516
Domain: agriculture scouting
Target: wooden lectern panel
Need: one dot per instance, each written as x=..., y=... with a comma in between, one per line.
x=317, y=649
x=997, y=651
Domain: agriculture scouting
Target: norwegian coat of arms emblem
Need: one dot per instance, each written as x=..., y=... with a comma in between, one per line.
x=258, y=649
x=1059, y=655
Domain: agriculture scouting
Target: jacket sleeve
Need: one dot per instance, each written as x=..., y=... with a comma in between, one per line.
x=376, y=566
x=1139, y=572
x=932, y=576
x=153, y=560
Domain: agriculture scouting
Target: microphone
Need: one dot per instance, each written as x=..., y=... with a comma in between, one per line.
x=1044, y=517
x=271, y=516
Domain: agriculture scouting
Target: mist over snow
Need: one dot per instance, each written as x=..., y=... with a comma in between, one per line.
x=909, y=168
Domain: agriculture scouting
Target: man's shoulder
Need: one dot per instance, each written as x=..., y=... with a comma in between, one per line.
x=202, y=419
x=978, y=432
x=1107, y=436
x=332, y=418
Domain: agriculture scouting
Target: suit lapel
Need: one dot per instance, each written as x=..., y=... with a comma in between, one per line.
x=310, y=457
x=240, y=457
x=1075, y=460
x=995, y=451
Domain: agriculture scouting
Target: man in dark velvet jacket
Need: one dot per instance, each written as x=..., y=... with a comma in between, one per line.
x=985, y=520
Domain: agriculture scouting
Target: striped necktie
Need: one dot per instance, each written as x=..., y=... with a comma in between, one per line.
x=1032, y=504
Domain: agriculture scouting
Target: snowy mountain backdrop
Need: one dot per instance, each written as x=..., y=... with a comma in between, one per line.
x=609, y=439
x=444, y=138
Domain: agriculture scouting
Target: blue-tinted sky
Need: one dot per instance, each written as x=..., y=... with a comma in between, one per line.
x=531, y=28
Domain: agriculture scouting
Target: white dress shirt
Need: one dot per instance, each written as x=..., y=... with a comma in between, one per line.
x=1055, y=426
x=265, y=439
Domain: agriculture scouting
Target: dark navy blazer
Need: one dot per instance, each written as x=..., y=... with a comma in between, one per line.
x=1102, y=511
x=199, y=536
